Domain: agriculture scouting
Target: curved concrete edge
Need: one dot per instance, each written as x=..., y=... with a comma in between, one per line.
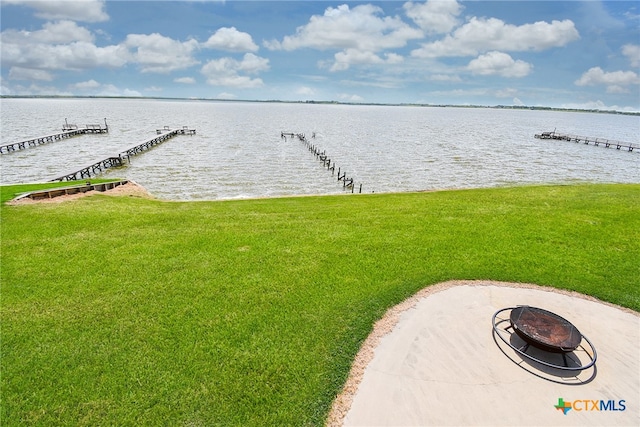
x=386, y=376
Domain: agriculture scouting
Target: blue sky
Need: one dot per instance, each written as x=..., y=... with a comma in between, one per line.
x=568, y=54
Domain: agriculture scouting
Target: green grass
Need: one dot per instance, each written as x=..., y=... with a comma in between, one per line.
x=125, y=311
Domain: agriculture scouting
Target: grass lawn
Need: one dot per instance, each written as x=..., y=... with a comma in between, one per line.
x=126, y=311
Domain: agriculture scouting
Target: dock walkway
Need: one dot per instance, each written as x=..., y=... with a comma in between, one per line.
x=124, y=156
x=68, y=131
x=588, y=140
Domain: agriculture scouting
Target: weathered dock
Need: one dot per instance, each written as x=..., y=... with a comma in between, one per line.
x=75, y=189
x=86, y=128
x=91, y=170
x=588, y=140
x=68, y=131
x=324, y=158
x=184, y=130
x=163, y=134
x=124, y=156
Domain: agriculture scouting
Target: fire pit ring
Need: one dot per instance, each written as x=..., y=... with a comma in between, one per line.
x=545, y=331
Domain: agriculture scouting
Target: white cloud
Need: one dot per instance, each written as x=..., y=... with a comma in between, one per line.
x=232, y=40
x=518, y=102
x=393, y=58
x=348, y=57
x=482, y=35
x=99, y=89
x=615, y=81
x=350, y=97
x=64, y=32
x=89, y=84
x=360, y=28
x=185, y=80
x=235, y=80
x=253, y=64
x=51, y=33
x=500, y=64
x=359, y=34
x=596, y=105
x=434, y=16
x=226, y=71
x=73, y=56
x=506, y=93
x=58, y=46
x=445, y=78
x=35, y=89
x=379, y=82
x=305, y=90
x=226, y=95
x=617, y=89
x=19, y=73
x=156, y=53
x=76, y=10
x=64, y=45
x=632, y=52
x=112, y=90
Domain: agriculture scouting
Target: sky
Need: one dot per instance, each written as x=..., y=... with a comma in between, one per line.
x=561, y=54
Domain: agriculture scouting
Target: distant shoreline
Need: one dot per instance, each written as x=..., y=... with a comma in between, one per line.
x=275, y=101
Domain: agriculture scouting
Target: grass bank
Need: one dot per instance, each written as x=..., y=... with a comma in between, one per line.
x=125, y=311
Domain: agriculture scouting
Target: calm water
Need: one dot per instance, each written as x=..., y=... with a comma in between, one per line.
x=238, y=152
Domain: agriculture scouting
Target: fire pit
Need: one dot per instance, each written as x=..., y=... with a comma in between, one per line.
x=545, y=331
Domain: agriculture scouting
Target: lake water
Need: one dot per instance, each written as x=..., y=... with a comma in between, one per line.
x=238, y=151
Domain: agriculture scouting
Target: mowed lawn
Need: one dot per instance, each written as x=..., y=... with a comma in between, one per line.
x=126, y=311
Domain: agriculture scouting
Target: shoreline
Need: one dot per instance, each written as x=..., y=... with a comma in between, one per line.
x=131, y=189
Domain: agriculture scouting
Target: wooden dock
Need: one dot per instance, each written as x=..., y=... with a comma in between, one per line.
x=75, y=189
x=324, y=158
x=588, y=140
x=68, y=131
x=86, y=128
x=91, y=170
x=163, y=134
x=124, y=156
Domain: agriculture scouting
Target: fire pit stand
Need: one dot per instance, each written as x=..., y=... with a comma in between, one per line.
x=545, y=331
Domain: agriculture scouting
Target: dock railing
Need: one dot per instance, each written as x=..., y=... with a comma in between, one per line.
x=68, y=131
x=588, y=140
x=125, y=155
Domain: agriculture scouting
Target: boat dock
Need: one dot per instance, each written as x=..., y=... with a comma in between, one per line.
x=124, y=156
x=86, y=128
x=68, y=131
x=92, y=169
x=588, y=140
x=163, y=134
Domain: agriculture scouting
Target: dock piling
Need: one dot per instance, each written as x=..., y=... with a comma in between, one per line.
x=324, y=158
x=587, y=140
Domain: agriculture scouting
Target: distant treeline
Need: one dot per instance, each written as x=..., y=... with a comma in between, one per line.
x=506, y=107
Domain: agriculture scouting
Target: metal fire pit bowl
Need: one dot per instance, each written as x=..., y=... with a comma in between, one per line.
x=545, y=331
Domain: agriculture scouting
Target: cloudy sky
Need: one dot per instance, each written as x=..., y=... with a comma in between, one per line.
x=570, y=54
